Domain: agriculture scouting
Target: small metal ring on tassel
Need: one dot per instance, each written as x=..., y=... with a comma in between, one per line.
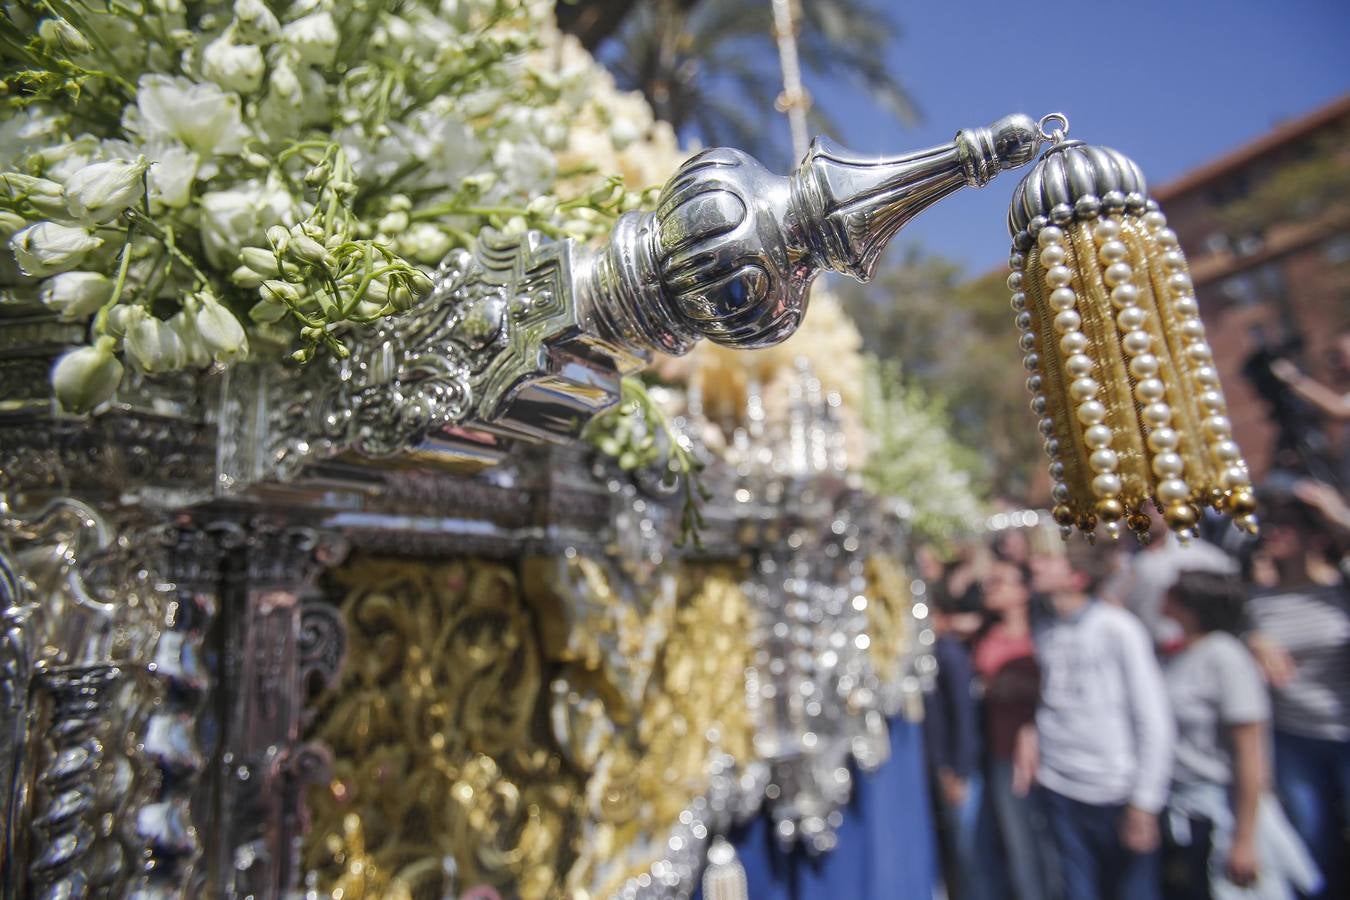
x=1058, y=134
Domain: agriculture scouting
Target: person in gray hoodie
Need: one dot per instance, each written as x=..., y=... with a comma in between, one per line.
x=1100, y=749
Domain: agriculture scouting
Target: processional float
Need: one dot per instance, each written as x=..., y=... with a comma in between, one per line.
x=164, y=637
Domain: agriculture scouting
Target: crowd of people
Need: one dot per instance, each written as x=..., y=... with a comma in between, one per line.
x=1165, y=722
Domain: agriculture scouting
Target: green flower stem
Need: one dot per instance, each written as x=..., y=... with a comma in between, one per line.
x=165, y=236
x=123, y=264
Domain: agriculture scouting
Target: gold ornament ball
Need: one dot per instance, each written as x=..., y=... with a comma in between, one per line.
x=1242, y=502
x=1181, y=515
x=1110, y=510
x=1063, y=515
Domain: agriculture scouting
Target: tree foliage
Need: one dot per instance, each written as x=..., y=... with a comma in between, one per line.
x=955, y=340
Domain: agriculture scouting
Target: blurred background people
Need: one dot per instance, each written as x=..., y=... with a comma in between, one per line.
x=1301, y=620
x=952, y=742
x=1146, y=576
x=1224, y=835
x=1101, y=745
x=1005, y=662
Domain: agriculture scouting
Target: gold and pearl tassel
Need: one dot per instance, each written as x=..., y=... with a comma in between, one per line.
x=724, y=878
x=1121, y=375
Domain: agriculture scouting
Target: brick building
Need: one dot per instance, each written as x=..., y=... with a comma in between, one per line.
x=1266, y=229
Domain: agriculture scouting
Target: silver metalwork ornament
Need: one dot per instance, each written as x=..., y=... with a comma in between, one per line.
x=527, y=338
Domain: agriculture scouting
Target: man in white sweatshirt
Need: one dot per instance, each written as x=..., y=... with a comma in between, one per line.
x=1101, y=746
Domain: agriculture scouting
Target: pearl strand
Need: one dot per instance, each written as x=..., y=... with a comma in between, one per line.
x=1216, y=426
x=1083, y=389
x=1036, y=386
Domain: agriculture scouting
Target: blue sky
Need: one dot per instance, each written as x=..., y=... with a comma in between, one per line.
x=1172, y=84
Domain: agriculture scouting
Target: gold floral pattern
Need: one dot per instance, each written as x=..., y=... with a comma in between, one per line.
x=544, y=738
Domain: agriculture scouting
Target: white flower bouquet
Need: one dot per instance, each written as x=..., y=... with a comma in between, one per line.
x=198, y=181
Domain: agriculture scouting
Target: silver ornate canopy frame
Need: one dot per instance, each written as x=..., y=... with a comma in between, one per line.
x=156, y=561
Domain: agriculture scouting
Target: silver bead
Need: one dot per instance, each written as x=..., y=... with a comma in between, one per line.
x=1045, y=425
x=1106, y=485
x=1091, y=412
x=1027, y=341
x=1051, y=447
x=1113, y=201
x=1060, y=493
x=1031, y=362
x=1039, y=404
x=1023, y=321
x=1061, y=213
x=1034, y=384
x=1057, y=470
x=1167, y=464
x=1016, y=261
x=1087, y=207
x=1015, y=282
x=1018, y=301
x=1097, y=437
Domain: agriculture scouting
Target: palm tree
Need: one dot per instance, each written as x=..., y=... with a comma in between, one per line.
x=710, y=67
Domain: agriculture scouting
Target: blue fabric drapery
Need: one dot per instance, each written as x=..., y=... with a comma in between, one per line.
x=886, y=845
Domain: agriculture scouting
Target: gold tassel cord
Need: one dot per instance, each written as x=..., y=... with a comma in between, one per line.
x=1121, y=375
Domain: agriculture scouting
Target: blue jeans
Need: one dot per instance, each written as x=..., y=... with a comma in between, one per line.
x=1022, y=829
x=1313, y=777
x=968, y=871
x=1094, y=865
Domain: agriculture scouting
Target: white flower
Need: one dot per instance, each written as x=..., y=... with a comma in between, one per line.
x=154, y=345
x=85, y=377
x=195, y=353
x=43, y=194
x=49, y=247
x=60, y=35
x=220, y=331
x=99, y=192
x=25, y=131
x=201, y=116
x=314, y=37
x=171, y=174
x=425, y=243
x=235, y=67
x=239, y=217
x=76, y=295
x=255, y=21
